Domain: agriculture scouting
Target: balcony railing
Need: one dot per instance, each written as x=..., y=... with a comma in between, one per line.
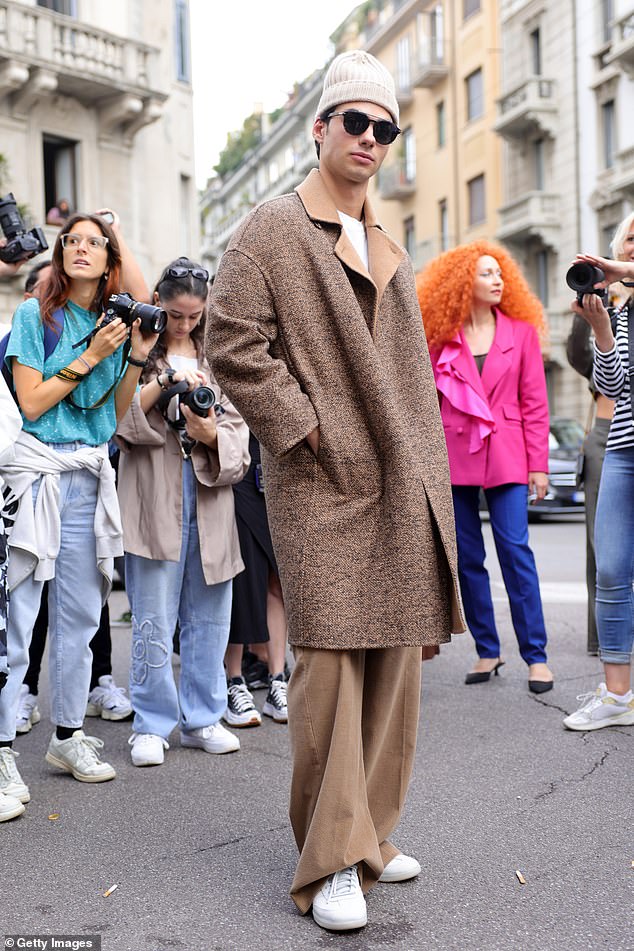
x=530, y=106
x=429, y=65
x=622, y=51
x=396, y=182
x=534, y=214
x=44, y=52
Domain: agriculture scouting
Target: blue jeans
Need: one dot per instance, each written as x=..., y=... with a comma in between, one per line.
x=509, y=524
x=614, y=552
x=160, y=593
x=74, y=606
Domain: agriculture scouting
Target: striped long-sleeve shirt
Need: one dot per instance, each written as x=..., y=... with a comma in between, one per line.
x=611, y=377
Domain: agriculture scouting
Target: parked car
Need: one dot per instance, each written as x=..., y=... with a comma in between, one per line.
x=563, y=497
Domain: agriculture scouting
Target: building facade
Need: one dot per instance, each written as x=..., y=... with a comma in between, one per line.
x=96, y=108
x=565, y=117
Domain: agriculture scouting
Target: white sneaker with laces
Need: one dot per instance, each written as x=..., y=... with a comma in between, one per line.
x=28, y=712
x=275, y=705
x=241, y=710
x=78, y=755
x=400, y=869
x=212, y=739
x=601, y=709
x=11, y=783
x=339, y=905
x=148, y=749
x=10, y=807
x=108, y=701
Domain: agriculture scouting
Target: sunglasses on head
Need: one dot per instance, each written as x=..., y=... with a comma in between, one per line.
x=182, y=271
x=356, y=123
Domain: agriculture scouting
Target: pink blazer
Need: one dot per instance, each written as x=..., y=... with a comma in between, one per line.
x=496, y=425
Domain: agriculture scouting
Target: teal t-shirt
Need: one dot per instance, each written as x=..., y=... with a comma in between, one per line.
x=64, y=422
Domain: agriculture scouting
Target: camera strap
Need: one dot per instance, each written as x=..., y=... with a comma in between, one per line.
x=127, y=346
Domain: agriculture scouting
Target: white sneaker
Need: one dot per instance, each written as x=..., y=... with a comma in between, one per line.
x=400, y=869
x=339, y=905
x=78, y=755
x=10, y=807
x=11, y=783
x=600, y=709
x=241, y=710
x=28, y=713
x=108, y=701
x=147, y=749
x=212, y=739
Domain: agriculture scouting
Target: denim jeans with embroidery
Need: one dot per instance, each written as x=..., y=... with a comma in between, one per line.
x=161, y=593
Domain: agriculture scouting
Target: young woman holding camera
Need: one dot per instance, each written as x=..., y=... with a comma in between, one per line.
x=67, y=526
x=175, y=475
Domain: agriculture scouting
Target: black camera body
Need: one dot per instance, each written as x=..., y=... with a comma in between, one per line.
x=153, y=319
x=582, y=277
x=22, y=244
x=200, y=400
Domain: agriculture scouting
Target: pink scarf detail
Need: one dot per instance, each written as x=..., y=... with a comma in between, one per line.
x=462, y=395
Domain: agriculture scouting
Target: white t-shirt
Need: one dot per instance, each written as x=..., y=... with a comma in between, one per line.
x=178, y=362
x=355, y=230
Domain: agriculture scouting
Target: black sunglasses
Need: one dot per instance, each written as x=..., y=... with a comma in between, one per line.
x=181, y=271
x=356, y=123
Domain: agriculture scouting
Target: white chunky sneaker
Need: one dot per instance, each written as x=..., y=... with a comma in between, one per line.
x=28, y=712
x=400, y=869
x=10, y=807
x=601, y=709
x=11, y=783
x=78, y=755
x=241, y=710
x=339, y=905
x=212, y=739
x=108, y=701
x=275, y=705
x=148, y=749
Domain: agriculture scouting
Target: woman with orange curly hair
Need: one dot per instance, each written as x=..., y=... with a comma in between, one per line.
x=492, y=390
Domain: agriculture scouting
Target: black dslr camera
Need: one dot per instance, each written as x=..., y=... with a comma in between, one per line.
x=153, y=319
x=21, y=243
x=582, y=277
x=200, y=400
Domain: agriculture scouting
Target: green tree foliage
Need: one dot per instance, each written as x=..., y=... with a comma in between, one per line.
x=238, y=144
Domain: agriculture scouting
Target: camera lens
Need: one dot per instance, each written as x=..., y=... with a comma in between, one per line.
x=202, y=399
x=582, y=277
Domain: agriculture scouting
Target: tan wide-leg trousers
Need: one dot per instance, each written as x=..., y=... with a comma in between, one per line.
x=353, y=717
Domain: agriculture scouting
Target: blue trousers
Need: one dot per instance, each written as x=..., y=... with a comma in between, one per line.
x=614, y=551
x=509, y=523
x=160, y=593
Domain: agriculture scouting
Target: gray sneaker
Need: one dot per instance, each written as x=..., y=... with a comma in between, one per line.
x=10, y=780
x=78, y=755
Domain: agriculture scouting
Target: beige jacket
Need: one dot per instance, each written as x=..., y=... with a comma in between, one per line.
x=151, y=485
x=300, y=334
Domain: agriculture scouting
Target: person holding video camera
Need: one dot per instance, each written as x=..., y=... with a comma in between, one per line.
x=183, y=446
x=74, y=374
x=612, y=703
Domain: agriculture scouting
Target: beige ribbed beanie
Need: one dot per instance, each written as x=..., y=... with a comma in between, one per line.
x=356, y=76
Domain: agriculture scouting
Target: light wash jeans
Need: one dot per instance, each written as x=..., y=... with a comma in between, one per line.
x=614, y=553
x=160, y=593
x=74, y=608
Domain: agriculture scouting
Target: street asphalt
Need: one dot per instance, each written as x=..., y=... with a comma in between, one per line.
x=202, y=852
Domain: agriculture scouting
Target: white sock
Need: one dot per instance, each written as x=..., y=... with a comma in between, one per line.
x=620, y=698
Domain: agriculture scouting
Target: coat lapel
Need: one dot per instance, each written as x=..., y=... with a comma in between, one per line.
x=499, y=358
x=384, y=255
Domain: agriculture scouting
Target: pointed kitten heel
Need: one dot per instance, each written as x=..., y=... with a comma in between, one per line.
x=481, y=676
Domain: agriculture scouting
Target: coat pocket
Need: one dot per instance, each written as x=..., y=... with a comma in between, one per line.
x=512, y=412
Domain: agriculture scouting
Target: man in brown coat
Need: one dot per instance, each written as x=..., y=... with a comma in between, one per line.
x=316, y=335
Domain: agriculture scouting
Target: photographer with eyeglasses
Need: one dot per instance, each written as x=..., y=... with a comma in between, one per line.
x=72, y=382
x=184, y=443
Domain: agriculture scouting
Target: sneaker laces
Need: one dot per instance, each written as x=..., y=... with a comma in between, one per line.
x=241, y=697
x=8, y=769
x=344, y=883
x=112, y=695
x=277, y=693
x=589, y=701
x=86, y=748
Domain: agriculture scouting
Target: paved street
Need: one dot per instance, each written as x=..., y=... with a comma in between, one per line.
x=203, y=856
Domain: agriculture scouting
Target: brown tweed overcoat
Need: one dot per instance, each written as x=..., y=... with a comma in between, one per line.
x=300, y=335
